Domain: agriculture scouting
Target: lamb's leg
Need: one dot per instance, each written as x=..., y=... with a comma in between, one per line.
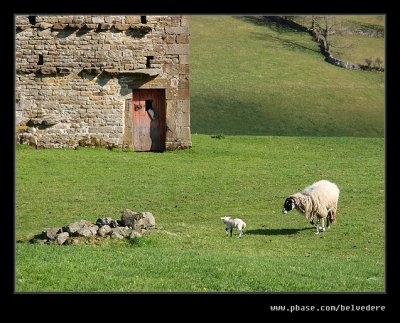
x=227, y=231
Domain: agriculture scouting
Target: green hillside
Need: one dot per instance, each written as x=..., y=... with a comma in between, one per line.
x=253, y=78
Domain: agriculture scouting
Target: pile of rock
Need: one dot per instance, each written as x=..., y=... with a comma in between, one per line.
x=132, y=225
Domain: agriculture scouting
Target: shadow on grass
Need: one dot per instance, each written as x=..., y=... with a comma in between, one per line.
x=275, y=232
x=269, y=118
x=276, y=23
x=280, y=26
x=287, y=43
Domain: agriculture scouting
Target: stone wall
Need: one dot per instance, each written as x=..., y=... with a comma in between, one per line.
x=340, y=63
x=75, y=75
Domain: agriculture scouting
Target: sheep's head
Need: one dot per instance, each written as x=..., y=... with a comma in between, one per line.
x=225, y=218
x=288, y=205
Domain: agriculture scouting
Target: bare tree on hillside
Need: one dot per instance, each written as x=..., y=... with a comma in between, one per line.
x=325, y=30
x=326, y=26
x=321, y=27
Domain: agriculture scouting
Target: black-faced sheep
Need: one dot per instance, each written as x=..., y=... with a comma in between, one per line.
x=233, y=223
x=319, y=199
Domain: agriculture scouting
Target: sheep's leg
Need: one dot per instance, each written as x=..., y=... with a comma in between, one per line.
x=333, y=216
x=317, y=226
x=320, y=225
x=227, y=231
x=329, y=219
x=311, y=219
x=323, y=224
x=240, y=233
x=231, y=231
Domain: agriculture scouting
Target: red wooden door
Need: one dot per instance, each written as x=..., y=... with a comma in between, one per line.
x=148, y=120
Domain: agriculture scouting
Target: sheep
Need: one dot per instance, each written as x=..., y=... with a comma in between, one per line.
x=319, y=199
x=233, y=223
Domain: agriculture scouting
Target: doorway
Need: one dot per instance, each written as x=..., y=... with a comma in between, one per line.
x=148, y=120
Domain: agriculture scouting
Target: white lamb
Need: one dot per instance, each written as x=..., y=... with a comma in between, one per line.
x=319, y=199
x=233, y=223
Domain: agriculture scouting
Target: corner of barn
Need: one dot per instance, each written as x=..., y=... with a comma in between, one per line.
x=104, y=80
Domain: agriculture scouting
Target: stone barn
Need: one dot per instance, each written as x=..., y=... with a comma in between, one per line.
x=113, y=81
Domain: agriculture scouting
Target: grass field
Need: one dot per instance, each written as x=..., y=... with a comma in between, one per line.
x=251, y=78
x=287, y=119
x=188, y=191
x=358, y=49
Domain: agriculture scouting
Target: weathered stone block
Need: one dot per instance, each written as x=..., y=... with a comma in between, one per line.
x=184, y=21
x=75, y=25
x=105, y=26
x=183, y=59
x=132, y=19
x=59, y=26
x=129, y=217
x=50, y=233
x=52, y=20
x=78, y=20
x=176, y=69
x=183, y=119
x=169, y=39
x=185, y=133
x=176, y=30
x=147, y=221
x=91, y=26
x=181, y=49
x=104, y=230
x=20, y=20
x=183, y=106
x=65, y=20
x=122, y=231
x=62, y=237
x=84, y=232
x=177, y=94
x=182, y=39
x=171, y=94
x=184, y=81
x=121, y=27
x=47, y=70
x=97, y=19
x=44, y=25
x=137, y=220
x=76, y=226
